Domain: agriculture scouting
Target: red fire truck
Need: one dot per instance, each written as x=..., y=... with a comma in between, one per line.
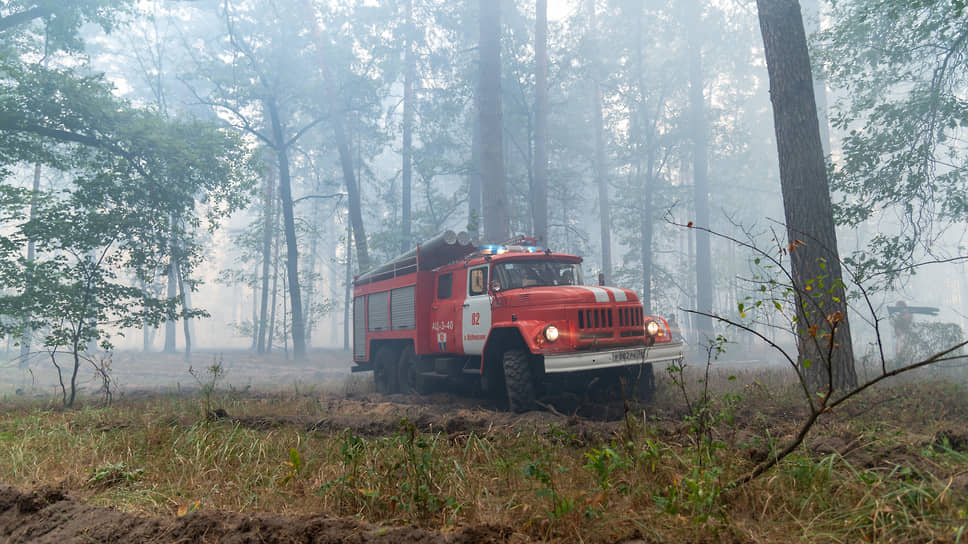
x=507, y=318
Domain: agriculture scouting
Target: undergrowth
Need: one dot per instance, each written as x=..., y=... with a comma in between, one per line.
x=890, y=467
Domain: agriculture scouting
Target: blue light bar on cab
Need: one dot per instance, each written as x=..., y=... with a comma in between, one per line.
x=497, y=249
x=492, y=249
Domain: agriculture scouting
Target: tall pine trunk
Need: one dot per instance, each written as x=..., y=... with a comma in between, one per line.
x=347, y=288
x=643, y=175
x=170, y=344
x=255, y=307
x=147, y=331
x=601, y=180
x=493, y=185
x=824, y=343
x=332, y=102
x=540, y=204
x=408, y=81
x=700, y=166
x=186, y=305
x=272, y=298
x=267, y=236
x=27, y=335
x=289, y=227
x=474, y=179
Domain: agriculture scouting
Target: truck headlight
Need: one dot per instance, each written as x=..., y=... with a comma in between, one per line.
x=551, y=333
x=652, y=328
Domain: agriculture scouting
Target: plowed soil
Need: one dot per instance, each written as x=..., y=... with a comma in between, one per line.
x=48, y=516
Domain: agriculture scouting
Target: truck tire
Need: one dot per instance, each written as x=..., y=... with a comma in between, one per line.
x=385, y=370
x=518, y=380
x=410, y=370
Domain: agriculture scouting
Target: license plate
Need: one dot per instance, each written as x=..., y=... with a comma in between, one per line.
x=632, y=355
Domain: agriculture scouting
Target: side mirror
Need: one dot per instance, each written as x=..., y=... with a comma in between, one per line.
x=495, y=286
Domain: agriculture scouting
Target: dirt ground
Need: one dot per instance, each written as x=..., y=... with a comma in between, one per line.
x=56, y=515
x=52, y=516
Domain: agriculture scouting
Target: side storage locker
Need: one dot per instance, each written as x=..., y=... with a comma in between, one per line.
x=402, y=309
x=359, y=327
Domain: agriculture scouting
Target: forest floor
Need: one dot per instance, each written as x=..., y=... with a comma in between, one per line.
x=278, y=451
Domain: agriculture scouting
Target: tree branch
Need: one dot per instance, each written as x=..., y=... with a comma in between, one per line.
x=22, y=17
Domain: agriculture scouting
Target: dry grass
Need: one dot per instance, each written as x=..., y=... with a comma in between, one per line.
x=890, y=467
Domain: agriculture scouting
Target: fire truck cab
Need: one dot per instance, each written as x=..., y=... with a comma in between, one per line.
x=506, y=319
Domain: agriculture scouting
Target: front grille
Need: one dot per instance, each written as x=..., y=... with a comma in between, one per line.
x=606, y=318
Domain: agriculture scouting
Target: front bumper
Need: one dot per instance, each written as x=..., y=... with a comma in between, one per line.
x=612, y=358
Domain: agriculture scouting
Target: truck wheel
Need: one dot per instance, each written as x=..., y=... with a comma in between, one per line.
x=518, y=380
x=409, y=377
x=385, y=370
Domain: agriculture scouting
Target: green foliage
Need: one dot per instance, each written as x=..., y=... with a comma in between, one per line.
x=605, y=463
x=139, y=188
x=113, y=474
x=208, y=384
x=902, y=65
x=924, y=339
x=397, y=474
x=46, y=27
x=293, y=466
x=544, y=472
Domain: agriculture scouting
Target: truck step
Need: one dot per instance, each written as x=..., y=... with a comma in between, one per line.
x=433, y=374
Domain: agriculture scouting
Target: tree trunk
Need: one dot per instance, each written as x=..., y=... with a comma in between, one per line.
x=170, y=345
x=309, y=316
x=255, y=307
x=289, y=227
x=474, y=181
x=409, y=75
x=697, y=105
x=147, y=332
x=26, y=337
x=186, y=305
x=643, y=130
x=285, y=331
x=540, y=204
x=272, y=299
x=495, y=201
x=601, y=180
x=825, y=350
x=353, y=194
x=267, y=236
x=342, y=145
x=348, y=288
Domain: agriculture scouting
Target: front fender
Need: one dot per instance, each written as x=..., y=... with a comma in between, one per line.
x=532, y=332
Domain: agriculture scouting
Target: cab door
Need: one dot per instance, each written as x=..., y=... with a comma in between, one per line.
x=445, y=313
x=476, y=311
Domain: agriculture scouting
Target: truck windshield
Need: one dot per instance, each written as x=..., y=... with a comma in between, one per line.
x=531, y=273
